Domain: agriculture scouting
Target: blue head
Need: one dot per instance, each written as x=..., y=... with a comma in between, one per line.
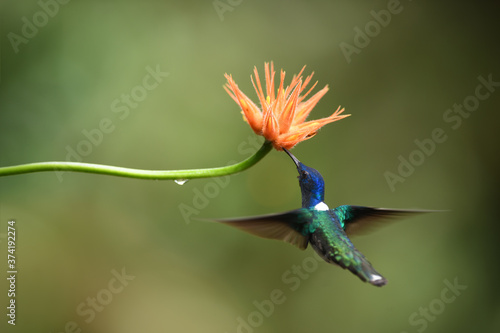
x=311, y=183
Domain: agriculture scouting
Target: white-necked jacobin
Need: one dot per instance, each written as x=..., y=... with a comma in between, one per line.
x=326, y=229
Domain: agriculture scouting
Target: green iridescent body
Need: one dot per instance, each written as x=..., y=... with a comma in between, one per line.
x=332, y=243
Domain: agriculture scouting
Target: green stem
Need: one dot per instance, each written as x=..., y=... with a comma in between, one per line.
x=138, y=173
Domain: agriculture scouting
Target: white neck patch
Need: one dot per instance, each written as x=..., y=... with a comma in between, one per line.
x=321, y=206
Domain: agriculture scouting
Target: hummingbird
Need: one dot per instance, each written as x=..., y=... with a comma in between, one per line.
x=327, y=230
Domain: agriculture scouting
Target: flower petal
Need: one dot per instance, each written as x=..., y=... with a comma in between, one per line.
x=258, y=88
x=288, y=113
x=296, y=78
x=289, y=140
x=306, y=130
x=304, y=108
x=251, y=112
x=270, y=127
x=269, y=80
x=314, y=125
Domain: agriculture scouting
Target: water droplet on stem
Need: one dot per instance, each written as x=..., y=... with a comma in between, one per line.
x=181, y=181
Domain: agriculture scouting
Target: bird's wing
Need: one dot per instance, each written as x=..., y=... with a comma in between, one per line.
x=359, y=219
x=288, y=227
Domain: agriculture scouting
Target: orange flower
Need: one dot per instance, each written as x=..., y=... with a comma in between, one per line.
x=281, y=118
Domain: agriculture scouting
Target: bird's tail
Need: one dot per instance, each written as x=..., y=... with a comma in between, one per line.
x=355, y=261
x=365, y=271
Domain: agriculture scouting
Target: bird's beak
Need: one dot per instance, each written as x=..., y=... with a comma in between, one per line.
x=295, y=160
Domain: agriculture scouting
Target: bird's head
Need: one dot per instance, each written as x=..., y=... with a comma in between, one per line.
x=311, y=183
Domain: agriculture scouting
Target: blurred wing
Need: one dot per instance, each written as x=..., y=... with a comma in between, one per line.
x=288, y=227
x=358, y=219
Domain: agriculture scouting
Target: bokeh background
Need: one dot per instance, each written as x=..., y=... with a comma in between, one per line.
x=61, y=79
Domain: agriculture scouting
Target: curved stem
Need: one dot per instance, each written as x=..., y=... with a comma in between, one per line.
x=138, y=173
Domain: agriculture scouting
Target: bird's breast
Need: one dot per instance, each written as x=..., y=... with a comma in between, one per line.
x=328, y=238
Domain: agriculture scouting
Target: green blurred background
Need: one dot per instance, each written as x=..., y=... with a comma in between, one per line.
x=193, y=276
